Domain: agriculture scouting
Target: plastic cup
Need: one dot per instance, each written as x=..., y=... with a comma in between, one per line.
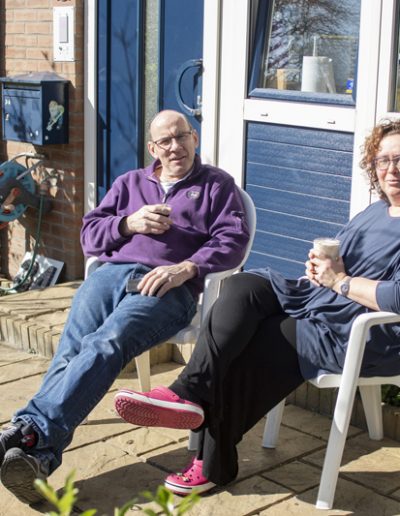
x=330, y=247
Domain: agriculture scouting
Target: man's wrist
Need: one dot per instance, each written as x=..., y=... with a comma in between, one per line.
x=191, y=268
x=123, y=227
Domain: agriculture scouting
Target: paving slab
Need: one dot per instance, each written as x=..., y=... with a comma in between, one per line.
x=374, y=464
x=351, y=499
x=25, y=368
x=295, y=476
x=311, y=423
x=255, y=459
x=9, y=355
x=250, y=496
x=37, y=302
x=14, y=395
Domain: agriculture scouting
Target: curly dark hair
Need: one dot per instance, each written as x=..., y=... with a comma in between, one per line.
x=371, y=148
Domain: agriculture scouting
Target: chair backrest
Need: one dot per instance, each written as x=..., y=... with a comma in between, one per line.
x=92, y=262
x=251, y=216
x=213, y=281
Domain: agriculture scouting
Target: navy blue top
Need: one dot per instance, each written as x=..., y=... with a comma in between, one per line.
x=370, y=247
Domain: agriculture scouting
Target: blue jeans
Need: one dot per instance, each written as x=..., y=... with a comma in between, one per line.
x=105, y=329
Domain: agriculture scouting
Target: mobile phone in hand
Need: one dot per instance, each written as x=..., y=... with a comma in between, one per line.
x=132, y=285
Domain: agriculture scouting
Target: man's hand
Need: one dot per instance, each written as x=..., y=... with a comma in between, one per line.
x=151, y=218
x=161, y=279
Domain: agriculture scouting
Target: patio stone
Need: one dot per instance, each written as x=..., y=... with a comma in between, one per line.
x=375, y=464
x=295, y=476
x=246, y=497
x=350, y=499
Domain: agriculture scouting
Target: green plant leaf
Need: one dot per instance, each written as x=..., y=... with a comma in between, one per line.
x=66, y=502
x=187, y=503
x=46, y=490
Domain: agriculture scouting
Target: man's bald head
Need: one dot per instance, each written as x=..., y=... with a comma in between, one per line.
x=164, y=117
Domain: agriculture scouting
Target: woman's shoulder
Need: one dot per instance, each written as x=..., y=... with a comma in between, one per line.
x=373, y=211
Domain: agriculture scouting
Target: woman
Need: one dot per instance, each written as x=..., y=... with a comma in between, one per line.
x=265, y=335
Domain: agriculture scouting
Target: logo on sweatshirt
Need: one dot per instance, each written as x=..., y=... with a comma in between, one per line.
x=193, y=194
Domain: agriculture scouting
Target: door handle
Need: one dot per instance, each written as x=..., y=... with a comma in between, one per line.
x=191, y=63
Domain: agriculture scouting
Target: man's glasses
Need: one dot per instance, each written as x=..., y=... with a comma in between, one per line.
x=166, y=143
x=384, y=162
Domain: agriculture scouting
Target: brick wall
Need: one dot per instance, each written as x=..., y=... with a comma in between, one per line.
x=26, y=40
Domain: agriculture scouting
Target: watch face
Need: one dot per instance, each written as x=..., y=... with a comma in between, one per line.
x=344, y=288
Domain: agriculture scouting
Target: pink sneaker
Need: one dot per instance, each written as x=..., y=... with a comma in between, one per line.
x=159, y=407
x=191, y=479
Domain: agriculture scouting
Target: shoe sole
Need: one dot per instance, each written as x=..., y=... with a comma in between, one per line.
x=18, y=475
x=143, y=411
x=184, y=491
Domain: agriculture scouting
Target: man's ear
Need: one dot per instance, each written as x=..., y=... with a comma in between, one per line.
x=152, y=150
x=196, y=138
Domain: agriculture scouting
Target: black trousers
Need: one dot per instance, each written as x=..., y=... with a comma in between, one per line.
x=244, y=363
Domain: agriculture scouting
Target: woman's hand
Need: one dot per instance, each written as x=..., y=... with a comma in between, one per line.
x=325, y=272
x=322, y=271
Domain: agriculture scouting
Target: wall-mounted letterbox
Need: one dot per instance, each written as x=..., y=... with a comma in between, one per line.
x=35, y=108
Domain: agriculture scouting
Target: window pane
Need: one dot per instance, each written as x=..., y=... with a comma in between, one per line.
x=311, y=45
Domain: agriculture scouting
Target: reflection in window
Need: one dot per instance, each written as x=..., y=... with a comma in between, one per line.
x=311, y=45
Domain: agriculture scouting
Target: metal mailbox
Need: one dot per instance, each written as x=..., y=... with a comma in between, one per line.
x=35, y=108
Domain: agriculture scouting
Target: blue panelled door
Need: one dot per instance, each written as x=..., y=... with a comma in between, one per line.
x=119, y=102
x=300, y=181
x=181, y=52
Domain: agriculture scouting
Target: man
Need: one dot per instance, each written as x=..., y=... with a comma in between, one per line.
x=159, y=230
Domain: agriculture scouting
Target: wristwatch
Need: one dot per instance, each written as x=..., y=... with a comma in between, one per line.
x=345, y=286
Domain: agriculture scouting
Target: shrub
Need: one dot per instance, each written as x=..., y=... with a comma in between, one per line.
x=65, y=503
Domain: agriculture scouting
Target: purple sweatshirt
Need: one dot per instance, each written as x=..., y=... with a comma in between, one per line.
x=209, y=226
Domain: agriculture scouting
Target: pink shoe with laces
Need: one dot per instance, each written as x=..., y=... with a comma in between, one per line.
x=191, y=479
x=159, y=407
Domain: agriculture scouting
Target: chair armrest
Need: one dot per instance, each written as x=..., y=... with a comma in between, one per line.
x=358, y=334
x=355, y=352
x=219, y=276
x=212, y=286
x=374, y=318
x=91, y=264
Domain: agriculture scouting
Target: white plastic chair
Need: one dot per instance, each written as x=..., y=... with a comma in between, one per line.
x=370, y=389
x=213, y=283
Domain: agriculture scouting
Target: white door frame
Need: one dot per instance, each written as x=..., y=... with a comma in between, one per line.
x=90, y=104
x=386, y=59
x=233, y=86
x=210, y=84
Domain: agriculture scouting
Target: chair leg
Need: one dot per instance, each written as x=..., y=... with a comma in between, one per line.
x=334, y=450
x=143, y=370
x=193, y=444
x=272, y=425
x=372, y=403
